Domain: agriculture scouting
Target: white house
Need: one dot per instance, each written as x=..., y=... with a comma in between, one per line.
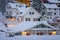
x=18, y=13
x=49, y=11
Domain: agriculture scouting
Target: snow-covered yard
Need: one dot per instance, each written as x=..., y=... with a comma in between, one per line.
x=42, y=37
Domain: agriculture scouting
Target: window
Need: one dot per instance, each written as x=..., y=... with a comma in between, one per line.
x=8, y=7
x=50, y=17
x=16, y=5
x=49, y=13
x=19, y=6
x=39, y=33
x=54, y=13
x=27, y=19
x=17, y=13
x=49, y=8
x=43, y=13
x=31, y=13
x=21, y=12
x=10, y=11
x=47, y=17
x=54, y=9
x=36, y=19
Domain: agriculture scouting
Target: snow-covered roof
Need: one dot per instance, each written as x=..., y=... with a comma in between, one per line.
x=54, y=1
x=50, y=5
x=1, y=16
x=3, y=27
x=15, y=5
x=24, y=10
x=27, y=25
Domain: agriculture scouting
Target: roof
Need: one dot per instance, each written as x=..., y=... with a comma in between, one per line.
x=3, y=27
x=27, y=25
x=24, y=10
x=15, y=5
x=50, y=5
x=1, y=16
x=54, y=1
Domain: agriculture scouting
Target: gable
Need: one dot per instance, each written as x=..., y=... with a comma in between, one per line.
x=35, y=15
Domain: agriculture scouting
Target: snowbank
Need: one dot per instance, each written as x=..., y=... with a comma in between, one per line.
x=42, y=37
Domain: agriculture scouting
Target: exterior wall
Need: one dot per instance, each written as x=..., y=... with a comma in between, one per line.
x=35, y=15
x=53, y=11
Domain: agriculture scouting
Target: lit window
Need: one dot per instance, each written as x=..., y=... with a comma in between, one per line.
x=54, y=33
x=12, y=18
x=24, y=33
x=10, y=25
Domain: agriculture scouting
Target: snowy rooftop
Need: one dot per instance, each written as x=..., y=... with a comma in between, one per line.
x=24, y=10
x=27, y=25
x=1, y=16
x=15, y=5
x=3, y=27
x=54, y=1
x=50, y=5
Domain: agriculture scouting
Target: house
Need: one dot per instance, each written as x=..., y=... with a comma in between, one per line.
x=57, y=2
x=23, y=20
x=49, y=11
x=38, y=28
x=17, y=13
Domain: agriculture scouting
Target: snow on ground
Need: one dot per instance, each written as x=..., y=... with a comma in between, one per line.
x=42, y=37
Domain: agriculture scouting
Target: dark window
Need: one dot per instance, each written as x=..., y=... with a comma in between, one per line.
x=16, y=5
x=30, y=13
x=54, y=13
x=27, y=19
x=54, y=9
x=10, y=11
x=38, y=19
x=49, y=8
x=50, y=17
x=49, y=13
x=8, y=7
x=19, y=6
x=43, y=13
x=47, y=17
x=33, y=13
x=20, y=12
